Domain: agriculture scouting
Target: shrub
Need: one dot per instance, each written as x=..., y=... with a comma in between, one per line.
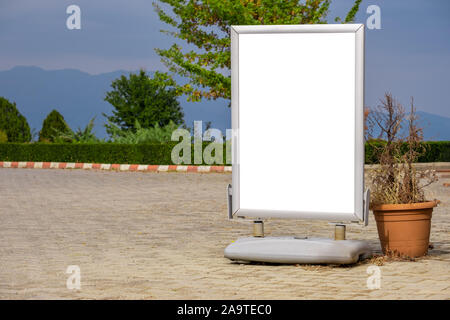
x=156, y=134
x=397, y=180
x=85, y=135
x=13, y=123
x=53, y=125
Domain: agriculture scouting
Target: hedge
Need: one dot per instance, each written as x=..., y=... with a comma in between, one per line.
x=438, y=151
x=92, y=153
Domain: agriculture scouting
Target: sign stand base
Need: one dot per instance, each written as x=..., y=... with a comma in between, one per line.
x=293, y=250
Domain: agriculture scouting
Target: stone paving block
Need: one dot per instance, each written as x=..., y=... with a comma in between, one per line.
x=161, y=235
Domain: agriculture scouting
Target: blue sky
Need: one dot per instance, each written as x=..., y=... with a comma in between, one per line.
x=409, y=56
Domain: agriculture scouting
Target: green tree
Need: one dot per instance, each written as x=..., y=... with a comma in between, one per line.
x=85, y=135
x=148, y=100
x=53, y=125
x=13, y=123
x=205, y=24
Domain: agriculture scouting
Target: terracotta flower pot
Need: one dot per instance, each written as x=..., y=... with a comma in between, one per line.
x=404, y=228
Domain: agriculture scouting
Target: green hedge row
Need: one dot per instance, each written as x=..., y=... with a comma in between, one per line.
x=92, y=153
x=438, y=151
x=88, y=153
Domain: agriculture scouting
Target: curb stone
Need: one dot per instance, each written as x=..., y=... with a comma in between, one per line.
x=114, y=167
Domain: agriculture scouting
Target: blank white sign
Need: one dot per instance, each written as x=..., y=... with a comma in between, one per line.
x=298, y=109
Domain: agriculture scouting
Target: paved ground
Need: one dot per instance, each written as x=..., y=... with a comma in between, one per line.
x=162, y=235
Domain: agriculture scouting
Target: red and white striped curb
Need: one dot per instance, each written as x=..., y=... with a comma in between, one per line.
x=117, y=167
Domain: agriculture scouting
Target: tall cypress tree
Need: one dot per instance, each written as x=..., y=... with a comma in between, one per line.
x=13, y=123
x=52, y=126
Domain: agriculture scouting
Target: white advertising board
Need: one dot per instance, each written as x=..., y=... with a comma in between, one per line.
x=297, y=113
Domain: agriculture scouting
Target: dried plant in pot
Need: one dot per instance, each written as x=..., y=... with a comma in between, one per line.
x=402, y=213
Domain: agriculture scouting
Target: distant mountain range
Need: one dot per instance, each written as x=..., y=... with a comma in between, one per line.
x=435, y=127
x=78, y=96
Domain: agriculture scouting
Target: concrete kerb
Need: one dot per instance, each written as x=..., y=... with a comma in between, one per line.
x=115, y=167
x=438, y=166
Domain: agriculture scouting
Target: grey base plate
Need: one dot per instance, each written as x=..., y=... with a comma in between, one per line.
x=298, y=250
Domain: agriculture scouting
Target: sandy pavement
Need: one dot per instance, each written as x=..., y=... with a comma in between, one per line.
x=161, y=236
